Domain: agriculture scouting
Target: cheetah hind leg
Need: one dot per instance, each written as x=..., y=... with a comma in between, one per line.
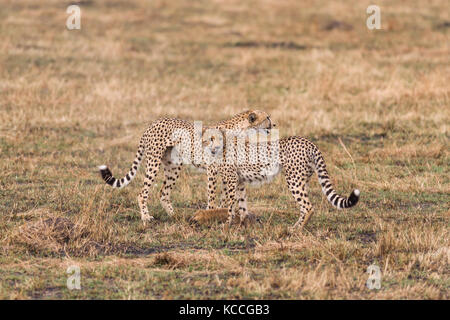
x=298, y=188
x=153, y=164
x=171, y=174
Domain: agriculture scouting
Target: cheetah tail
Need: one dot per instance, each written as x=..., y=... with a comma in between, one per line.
x=120, y=183
x=327, y=188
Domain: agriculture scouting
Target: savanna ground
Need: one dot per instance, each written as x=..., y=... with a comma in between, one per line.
x=376, y=102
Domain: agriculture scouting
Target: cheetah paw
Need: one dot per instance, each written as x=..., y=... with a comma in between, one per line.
x=147, y=218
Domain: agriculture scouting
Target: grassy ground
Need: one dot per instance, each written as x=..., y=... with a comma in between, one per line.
x=72, y=100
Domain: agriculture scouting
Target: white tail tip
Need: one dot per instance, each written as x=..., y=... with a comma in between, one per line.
x=356, y=192
x=102, y=167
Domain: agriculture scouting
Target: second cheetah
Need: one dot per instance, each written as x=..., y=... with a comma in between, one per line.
x=157, y=146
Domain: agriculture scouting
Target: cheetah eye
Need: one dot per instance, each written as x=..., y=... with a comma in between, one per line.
x=252, y=117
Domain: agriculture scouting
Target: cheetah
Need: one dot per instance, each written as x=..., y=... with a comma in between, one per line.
x=297, y=157
x=160, y=144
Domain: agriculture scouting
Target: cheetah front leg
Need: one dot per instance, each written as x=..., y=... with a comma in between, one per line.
x=230, y=182
x=223, y=197
x=241, y=197
x=212, y=186
x=242, y=202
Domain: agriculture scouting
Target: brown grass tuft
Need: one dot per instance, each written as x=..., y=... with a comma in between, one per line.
x=169, y=260
x=47, y=235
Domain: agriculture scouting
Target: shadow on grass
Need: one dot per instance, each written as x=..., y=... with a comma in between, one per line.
x=287, y=45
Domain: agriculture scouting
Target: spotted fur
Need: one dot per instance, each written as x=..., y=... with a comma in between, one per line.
x=158, y=144
x=298, y=158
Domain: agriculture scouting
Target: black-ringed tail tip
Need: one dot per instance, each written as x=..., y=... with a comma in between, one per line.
x=354, y=197
x=107, y=175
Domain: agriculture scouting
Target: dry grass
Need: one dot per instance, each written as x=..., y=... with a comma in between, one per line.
x=375, y=102
x=212, y=216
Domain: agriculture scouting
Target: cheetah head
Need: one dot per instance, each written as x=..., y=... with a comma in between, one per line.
x=213, y=140
x=255, y=119
x=239, y=125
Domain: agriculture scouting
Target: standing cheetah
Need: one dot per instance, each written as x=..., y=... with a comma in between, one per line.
x=158, y=144
x=297, y=157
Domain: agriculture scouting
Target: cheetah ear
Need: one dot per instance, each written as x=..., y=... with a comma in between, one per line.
x=202, y=137
x=252, y=117
x=203, y=132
